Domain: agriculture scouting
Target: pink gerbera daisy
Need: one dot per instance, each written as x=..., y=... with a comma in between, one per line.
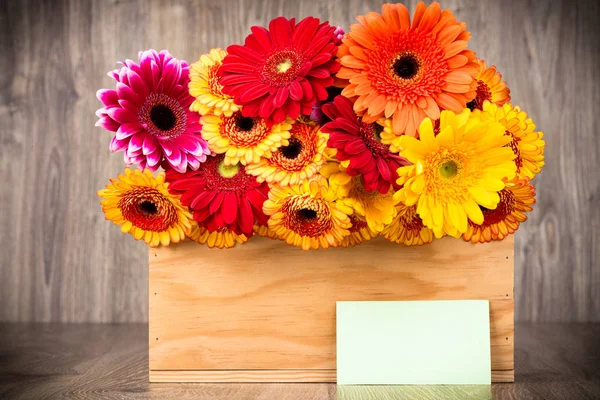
x=283, y=70
x=149, y=111
x=359, y=143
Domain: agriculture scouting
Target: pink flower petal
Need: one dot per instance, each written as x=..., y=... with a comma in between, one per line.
x=126, y=93
x=168, y=148
x=108, y=97
x=135, y=143
x=150, y=144
x=108, y=123
x=175, y=157
x=121, y=115
x=127, y=130
x=191, y=144
x=154, y=157
x=194, y=163
x=117, y=145
x=129, y=106
x=137, y=84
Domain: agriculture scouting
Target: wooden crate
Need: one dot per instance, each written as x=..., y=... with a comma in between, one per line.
x=265, y=311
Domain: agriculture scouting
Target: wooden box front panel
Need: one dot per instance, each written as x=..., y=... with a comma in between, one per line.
x=265, y=311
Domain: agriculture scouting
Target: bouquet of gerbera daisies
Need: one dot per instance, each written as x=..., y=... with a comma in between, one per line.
x=322, y=138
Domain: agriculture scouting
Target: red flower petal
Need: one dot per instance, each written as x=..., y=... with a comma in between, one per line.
x=230, y=207
x=296, y=91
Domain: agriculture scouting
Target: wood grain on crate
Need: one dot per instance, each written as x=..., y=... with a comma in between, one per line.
x=268, y=306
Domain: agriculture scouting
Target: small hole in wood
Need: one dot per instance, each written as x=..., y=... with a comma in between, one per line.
x=506, y=294
x=507, y=338
x=507, y=257
x=156, y=338
x=156, y=255
x=155, y=294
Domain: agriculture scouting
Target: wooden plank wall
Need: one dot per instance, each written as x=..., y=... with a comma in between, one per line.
x=62, y=262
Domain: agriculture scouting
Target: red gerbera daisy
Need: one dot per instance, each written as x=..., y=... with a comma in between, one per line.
x=221, y=196
x=360, y=143
x=283, y=70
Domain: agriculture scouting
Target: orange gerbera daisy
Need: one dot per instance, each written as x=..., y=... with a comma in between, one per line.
x=515, y=200
x=490, y=86
x=408, y=71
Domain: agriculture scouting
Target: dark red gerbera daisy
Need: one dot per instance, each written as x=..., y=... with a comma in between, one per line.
x=221, y=196
x=360, y=143
x=283, y=70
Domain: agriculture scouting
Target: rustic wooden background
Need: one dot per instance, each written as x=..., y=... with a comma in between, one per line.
x=62, y=262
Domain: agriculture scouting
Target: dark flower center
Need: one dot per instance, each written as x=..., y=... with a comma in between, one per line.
x=148, y=207
x=377, y=129
x=245, y=123
x=292, y=150
x=406, y=66
x=163, y=117
x=306, y=213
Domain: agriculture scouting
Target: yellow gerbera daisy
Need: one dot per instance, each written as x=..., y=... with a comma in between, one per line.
x=205, y=87
x=490, y=86
x=455, y=172
x=295, y=162
x=359, y=232
x=144, y=208
x=377, y=209
x=527, y=145
x=407, y=228
x=222, y=238
x=307, y=215
x=265, y=231
x=515, y=200
x=244, y=139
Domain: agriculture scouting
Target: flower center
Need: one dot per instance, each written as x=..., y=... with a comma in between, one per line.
x=307, y=213
x=307, y=216
x=292, y=150
x=228, y=171
x=483, y=93
x=398, y=63
x=148, y=209
x=449, y=169
x=301, y=151
x=245, y=123
x=162, y=116
x=244, y=131
x=406, y=65
x=282, y=67
x=377, y=129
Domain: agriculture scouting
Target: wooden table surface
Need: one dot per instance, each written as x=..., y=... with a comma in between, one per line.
x=95, y=361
